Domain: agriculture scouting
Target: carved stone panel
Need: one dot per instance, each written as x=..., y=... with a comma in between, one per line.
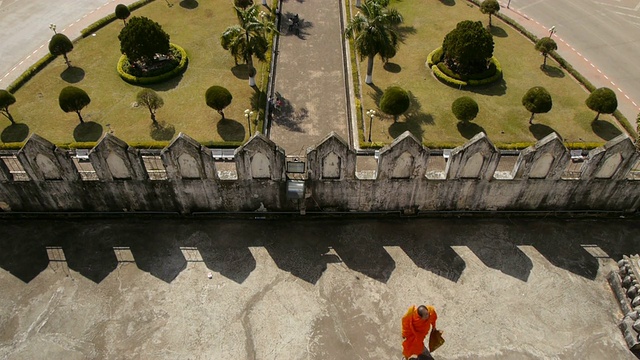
x=541, y=167
x=188, y=166
x=331, y=166
x=260, y=168
x=403, y=167
x=49, y=170
x=117, y=167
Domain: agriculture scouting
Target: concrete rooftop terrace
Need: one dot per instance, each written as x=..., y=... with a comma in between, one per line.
x=308, y=288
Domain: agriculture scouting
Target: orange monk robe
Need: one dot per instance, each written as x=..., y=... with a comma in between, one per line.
x=415, y=330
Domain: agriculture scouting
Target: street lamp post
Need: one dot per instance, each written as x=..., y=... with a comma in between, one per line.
x=247, y=114
x=53, y=28
x=552, y=31
x=371, y=114
x=509, y=3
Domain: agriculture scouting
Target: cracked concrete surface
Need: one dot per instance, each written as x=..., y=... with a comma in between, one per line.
x=308, y=289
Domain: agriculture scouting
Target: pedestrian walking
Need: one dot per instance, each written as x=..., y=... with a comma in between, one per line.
x=416, y=325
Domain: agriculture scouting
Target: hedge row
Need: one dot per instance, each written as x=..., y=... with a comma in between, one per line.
x=445, y=75
x=586, y=83
x=31, y=72
x=109, y=18
x=135, y=80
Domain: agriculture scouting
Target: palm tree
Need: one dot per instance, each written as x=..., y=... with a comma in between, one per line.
x=248, y=38
x=374, y=32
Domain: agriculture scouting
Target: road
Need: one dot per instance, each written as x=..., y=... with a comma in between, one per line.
x=603, y=39
x=25, y=24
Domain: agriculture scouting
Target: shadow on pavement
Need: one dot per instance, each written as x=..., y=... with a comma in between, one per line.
x=304, y=248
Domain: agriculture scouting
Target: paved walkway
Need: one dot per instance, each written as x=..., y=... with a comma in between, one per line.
x=310, y=77
x=308, y=289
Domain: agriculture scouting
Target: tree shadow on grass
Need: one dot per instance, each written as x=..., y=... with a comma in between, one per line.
x=377, y=93
x=496, y=89
x=241, y=71
x=189, y=4
x=540, y=131
x=415, y=113
x=405, y=31
x=497, y=31
x=258, y=99
x=162, y=131
x=392, y=67
x=72, y=74
x=87, y=131
x=605, y=129
x=413, y=125
x=15, y=133
x=448, y=2
x=166, y=85
x=468, y=129
x=231, y=130
x=552, y=71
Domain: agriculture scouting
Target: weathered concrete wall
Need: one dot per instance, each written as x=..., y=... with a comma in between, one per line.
x=192, y=183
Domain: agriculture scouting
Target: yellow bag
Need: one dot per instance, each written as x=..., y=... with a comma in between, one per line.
x=435, y=340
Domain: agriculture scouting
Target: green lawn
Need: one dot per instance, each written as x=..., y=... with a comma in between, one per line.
x=197, y=30
x=502, y=116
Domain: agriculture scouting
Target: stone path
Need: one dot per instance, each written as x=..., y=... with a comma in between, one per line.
x=310, y=77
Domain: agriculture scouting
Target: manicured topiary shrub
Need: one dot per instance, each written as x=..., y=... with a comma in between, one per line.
x=465, y=108
x=395, y=101
x=218, y=98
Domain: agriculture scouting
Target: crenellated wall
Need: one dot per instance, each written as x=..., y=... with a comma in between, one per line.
x=184, y=177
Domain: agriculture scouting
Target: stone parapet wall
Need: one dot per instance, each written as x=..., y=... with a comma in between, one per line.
x=185, y=178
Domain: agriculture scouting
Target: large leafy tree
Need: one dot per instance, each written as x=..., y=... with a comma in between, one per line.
x=374, y=31
x=151, y=100
x=249, y=37
x=73, y=99
x=602, y=101
x=395, y=101
x=545, y=46
x=537, y=101
x=122, y=13
x=218, y=98
x=490, y=7
x=6, y=99
x=468, y=48
x=142, y=38
x=61, y=45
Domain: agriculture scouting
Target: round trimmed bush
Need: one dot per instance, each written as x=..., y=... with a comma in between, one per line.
x=156, y=77
x=395, y=101
x=465, y=108
x=218, y=98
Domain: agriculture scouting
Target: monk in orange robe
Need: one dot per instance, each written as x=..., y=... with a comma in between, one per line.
x=416, y=324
